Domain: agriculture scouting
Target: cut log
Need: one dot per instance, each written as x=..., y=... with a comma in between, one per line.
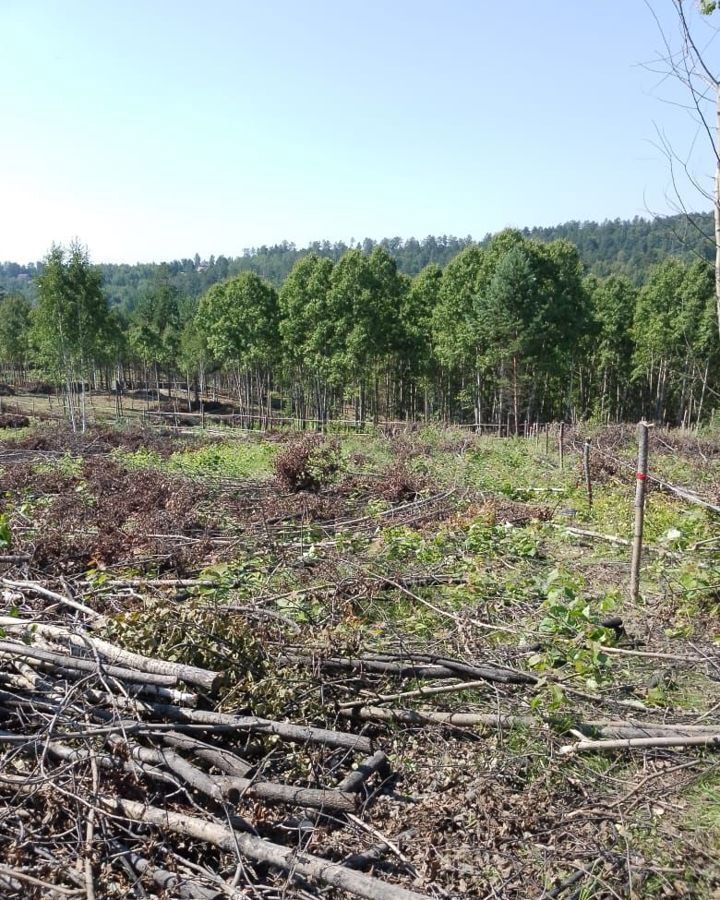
x=170, y=883
x=710, y=741
x=415, y=668
x=227, y=762
x=62, y=661
x=431, y=717
x=296, y=863
x=204, y=678
x=338, y=801
x=286, y=730
x=377, y=763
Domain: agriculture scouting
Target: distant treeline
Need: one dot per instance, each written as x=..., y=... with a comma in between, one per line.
x=620, y=247
x=514, y=330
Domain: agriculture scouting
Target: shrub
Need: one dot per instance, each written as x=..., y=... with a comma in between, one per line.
x=308, y=464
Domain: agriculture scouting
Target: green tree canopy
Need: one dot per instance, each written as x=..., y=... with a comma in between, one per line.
x=15, y=319
x=240, y=320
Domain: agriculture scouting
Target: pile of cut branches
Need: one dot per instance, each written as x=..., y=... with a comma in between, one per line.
x=119, y=774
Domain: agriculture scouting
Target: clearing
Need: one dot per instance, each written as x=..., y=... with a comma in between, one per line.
x=241, y=664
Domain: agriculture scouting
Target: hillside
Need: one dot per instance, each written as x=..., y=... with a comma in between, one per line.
x=629, y=247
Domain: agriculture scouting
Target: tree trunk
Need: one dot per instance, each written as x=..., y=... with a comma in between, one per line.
x=716, y=208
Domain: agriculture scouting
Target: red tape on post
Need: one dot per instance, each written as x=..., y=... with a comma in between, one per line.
x=641, y=476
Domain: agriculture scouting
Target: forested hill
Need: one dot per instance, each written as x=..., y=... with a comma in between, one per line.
x=618, y=246
x=632, y=247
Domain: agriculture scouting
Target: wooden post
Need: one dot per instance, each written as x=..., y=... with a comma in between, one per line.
x=641, y=480
x=586, y=470
x=561, y=444
x=547, y=439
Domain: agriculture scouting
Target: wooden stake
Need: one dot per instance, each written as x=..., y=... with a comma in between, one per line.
x=641, y=481
x=586, y=470
x=561, y=444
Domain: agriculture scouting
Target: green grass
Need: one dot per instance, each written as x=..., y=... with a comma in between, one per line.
x=703, y=812
x=227, y=459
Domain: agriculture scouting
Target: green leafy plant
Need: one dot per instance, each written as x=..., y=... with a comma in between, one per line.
x=573, y=624
x=192, y=633
x=5, y=533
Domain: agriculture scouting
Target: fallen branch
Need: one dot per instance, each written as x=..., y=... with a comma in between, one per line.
x=169, y=882
x=66, y=663
x=610, y=729
x=378, y=763
x=204, y=678
x=430, y=717
x=418, y=692
x=41, y=591
x=416, y=667
x=286, y=730
x=710, y=741
x=295, y=862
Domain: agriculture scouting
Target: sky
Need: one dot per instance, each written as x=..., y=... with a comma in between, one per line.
x=154, y=130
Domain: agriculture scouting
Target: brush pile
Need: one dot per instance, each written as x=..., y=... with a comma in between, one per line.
x=119, y=775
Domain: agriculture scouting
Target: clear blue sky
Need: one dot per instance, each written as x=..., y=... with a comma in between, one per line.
x=152, y=130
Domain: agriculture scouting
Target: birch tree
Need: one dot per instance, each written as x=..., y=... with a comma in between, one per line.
x=71, y=322
x=691, y=59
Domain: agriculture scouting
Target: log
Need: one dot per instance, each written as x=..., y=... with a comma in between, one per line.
x=339, y=801
x=377, y=763
x=225, y=760
x=286, y=730
x=203, y=678
x=294, y=862
x=431, y=717
x=232, y=787
x=636, y=729
x=374, y=856
x=418, y=692
x=169, y=882
x=442, y=668
x=605, y=729
x=62, y=661
x=710, y=741
x=186, y=771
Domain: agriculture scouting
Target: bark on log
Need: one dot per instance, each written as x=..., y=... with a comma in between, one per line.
x=604, y=729
x=441, y=668
x=431, y=717
x=419, y=692
x=315, y=798
x=355, y=780
x=295, y=863
x=169, y=882
x=286, y=730
x=204, y=678
x=225, y=760
x=186, y=771
x=69, y=663
x=710, y=741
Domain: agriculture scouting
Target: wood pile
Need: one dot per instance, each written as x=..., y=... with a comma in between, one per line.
x=116, y=768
